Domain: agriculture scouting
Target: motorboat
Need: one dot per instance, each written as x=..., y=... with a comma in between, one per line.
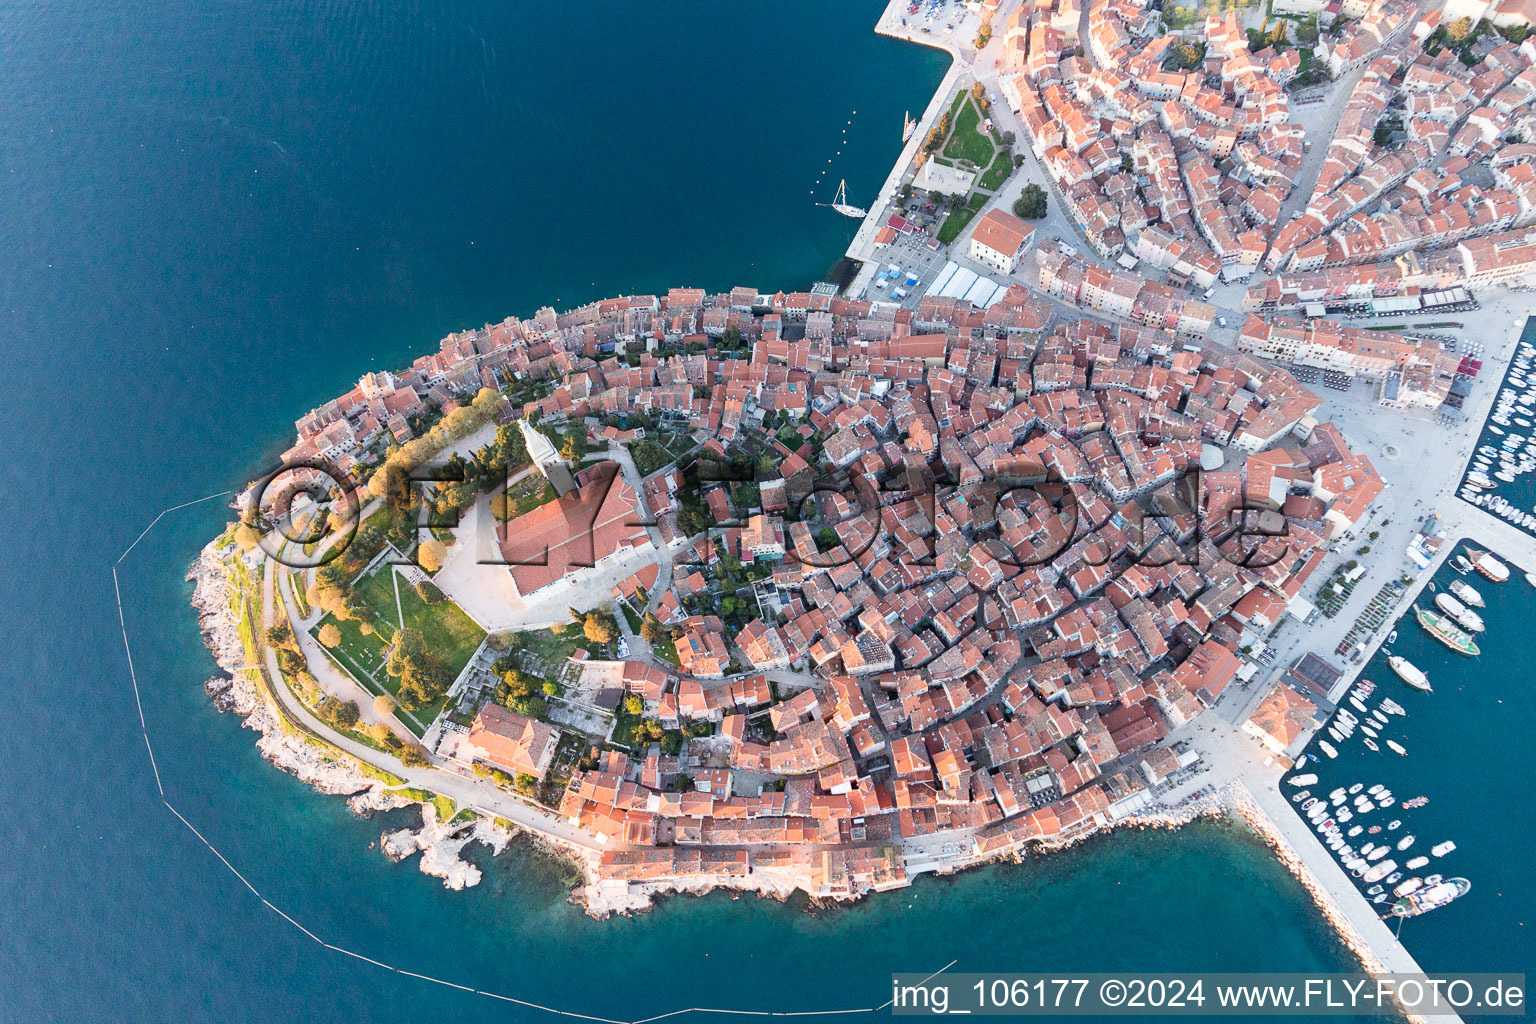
x=1407, y=886
x=1371, y=745
x=1302, y=780
x=1397, y=747
x=1405, y=842
x=1441, y=849
x=1299, y=797
x=1328, y=749
x=1377, y=788
x=1355, y=831
x=1416, y=863
x=1380, y=870
x=1356, y=787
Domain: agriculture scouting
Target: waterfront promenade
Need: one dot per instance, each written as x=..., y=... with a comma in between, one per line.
x=862, y=248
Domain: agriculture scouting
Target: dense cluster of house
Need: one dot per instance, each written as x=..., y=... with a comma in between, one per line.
x=1030, y=583
x=1159, y=164
x=1447, y=201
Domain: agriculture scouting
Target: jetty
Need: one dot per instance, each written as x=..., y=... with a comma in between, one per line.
x=1253, y=776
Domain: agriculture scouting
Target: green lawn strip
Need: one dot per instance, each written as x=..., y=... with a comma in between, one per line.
x=955, y=223
x=632, y=617
x=966, y=141
x=626, y=729
x=443, y=805
x=997, y=173
x=377, y=590
x=665, y=649
x=448, y=632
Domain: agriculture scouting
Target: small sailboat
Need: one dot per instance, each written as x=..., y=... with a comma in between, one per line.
x=841, y=205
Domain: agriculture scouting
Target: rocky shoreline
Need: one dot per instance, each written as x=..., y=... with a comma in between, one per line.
x=440, y=844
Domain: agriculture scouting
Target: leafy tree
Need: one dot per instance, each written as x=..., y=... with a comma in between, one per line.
x=431, y=554
x=280, y=635
x=650, y=629
x=671, y=742
x=1031, y=204
x=1009, y=139
x=526, y=784
x=1458, y=30
x=574, y=447
x=383, y=705
x=429, y=592
x=413, y=756
x=634, y=705
x=600, y=627
x=329, y=635
x=552, y=688
x=345, y=714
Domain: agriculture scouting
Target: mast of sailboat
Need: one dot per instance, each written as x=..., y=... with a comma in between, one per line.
x=840, y=203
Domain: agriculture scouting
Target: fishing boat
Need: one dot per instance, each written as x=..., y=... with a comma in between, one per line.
x=1405, y=842
x=1378, y=853
x=1303, y=780
x=1357, y=787
x=1385, y=801
x=1373, y=830
x=1356, y=830
x=1409, y=673
x=1396, y=747
x=1392, y=637
x=1441, y=628
x=1337, y=796
x=1328, y=749
x=1392, y=707
x=1418, y=801
x=1373, y=890
x=1333, y=731
x=1465, y=617
x=1433, y=879
x=1431, y=897
x=1394, y=824
x=1394, y=877
x=1417, y=863
x=1489, y=566
x=1441, y=849
x=1407, y=886
x=1466, y=594
x=1371, y=745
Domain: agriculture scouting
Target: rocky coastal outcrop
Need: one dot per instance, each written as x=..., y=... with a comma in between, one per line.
x=440, y=844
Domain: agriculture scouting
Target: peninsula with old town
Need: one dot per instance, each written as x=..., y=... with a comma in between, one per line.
x=1141, y=410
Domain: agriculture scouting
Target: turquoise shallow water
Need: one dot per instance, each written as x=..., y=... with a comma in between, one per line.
x=219, y=214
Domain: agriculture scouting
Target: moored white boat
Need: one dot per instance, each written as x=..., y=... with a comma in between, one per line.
x=1397, y=747
x=1441, y=849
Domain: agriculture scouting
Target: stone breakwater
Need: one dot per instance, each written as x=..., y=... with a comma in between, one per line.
x=1245, y=807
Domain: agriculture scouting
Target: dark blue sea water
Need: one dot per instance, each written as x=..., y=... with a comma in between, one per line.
x=216, y=215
